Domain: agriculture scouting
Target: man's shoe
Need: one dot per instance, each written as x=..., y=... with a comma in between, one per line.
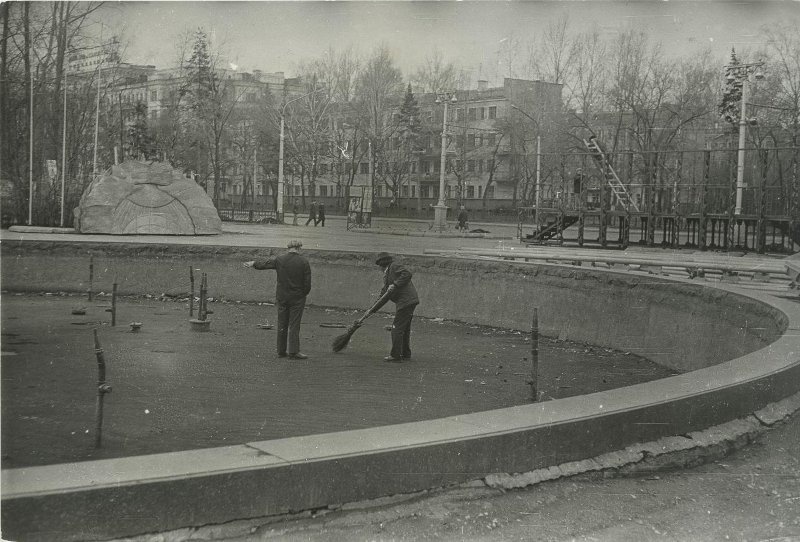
x=298, y=355
x=393, y=359
x=282, y=355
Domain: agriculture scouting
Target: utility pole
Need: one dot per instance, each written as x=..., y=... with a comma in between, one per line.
x=440, y=210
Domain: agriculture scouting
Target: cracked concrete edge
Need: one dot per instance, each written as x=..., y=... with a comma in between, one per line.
x=665, y=453
x=668, y=452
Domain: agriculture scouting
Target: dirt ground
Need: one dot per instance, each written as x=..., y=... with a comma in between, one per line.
x=178, y=389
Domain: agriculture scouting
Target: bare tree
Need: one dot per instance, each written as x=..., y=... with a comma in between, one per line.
x=379, y=89
x=436, y=74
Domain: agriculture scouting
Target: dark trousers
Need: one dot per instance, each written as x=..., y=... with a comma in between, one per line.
x=311, y=218
x=321, y=218
x=401, y=332
x=290, y=313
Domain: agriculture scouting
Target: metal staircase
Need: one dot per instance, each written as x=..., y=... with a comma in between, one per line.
x=551, y=231
x=617, y=188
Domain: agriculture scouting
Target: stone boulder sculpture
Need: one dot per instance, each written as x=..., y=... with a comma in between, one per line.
x=146, y=198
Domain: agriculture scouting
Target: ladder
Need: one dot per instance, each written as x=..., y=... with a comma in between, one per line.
x=618, y=189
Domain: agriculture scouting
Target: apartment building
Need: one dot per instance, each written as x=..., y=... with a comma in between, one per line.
x=489, y=134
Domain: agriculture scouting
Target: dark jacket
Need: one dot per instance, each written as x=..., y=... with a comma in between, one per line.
x=404, y=294
x=294, y=276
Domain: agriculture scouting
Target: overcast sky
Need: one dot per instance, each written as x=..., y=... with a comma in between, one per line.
x=275, y=36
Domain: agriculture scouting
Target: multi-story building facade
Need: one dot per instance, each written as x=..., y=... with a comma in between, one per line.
x=489, y=137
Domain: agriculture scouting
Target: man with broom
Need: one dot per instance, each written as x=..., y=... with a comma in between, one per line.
x=293, y=285
x=397, y=283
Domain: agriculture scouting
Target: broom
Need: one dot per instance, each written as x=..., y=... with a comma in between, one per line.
x=340, y=342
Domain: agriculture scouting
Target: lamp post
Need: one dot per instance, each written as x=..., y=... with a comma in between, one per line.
x=537, y=186
x=743, y=71
x=440, y=210
x=279, y=206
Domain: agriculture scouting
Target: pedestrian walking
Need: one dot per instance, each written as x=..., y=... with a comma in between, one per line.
x=397, y=281
x=320, y=214
x=312, y=213
x=295, y=210
x=463, y=217
x=292, y=286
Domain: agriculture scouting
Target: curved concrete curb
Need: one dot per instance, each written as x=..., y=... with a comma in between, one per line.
x=667, y=452
x=756, y=333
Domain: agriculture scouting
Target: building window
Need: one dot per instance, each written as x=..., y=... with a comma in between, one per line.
x=153, y=115
x=490, y=138
x=323, y=190
x=413, y=167
x=472, y=114
x=323, y=169
x=480, y=191
x=426, y=166
x=153, y=95
x=493, y=112
x=482, y=113
x=480, y=166
x=378, y=191
x=364, y=166
x=404, y=191
x=470, y=192
x=471, y=141
x=471, y=166
x=296, y=190
x=437, y=166
x=460, y=140
x=259, y=189
x=413, y=191
x=490, y=192
x=459, y=114
x=489, y=165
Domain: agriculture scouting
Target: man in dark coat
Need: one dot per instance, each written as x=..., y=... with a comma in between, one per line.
x=397, y=281
x=320, y=214
x=292, y=287
x=312, y=213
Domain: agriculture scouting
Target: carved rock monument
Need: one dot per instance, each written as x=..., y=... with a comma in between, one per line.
x=146, y=198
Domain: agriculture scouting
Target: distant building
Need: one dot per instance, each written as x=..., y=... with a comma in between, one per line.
x=485, y=147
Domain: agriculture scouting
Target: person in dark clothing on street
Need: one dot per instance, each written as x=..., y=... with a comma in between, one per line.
x=320, y=214
x=292, y=287
x=397, y=281
x=463, y=217
x=312, y=213
x=295, y=210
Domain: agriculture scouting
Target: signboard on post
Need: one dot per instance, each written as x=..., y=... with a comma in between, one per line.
x=359, y=208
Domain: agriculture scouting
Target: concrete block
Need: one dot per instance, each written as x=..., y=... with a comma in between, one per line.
x=615, y=460
x=776, y=412
x=730, y=432
x=665, y=445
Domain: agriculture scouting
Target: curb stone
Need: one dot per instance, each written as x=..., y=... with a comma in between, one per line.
x=669, y=452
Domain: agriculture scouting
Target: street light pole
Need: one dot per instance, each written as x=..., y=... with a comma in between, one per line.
x=537, y=187
x=745, y=70
x=279, y=203
x=279, y=206
x=440, y=210
x=64, y=151
x=740, y=156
